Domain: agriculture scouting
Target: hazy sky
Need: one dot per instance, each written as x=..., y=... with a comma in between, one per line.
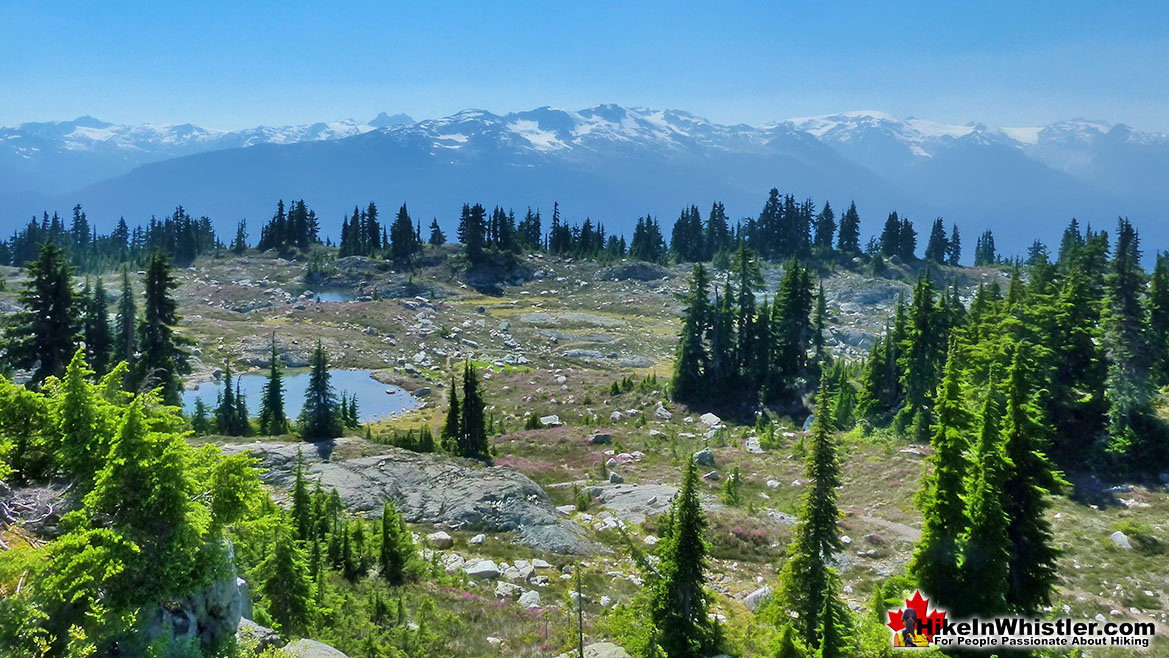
x=237, y=64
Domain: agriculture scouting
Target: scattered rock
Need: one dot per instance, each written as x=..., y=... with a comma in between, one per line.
x=482, y=569
x=711, y=476
x=440, y=539
x=506, y=590
x=254, y=635
x=652, y=540
x=312, y=648
x=1121, y=540
x=601, y=438
x=704, y=457
x=479, y=539
x=550, y=421
x=599, y=650
x=614, y=478
x=661, y=412
x=753, y=599
x=426, y=488
x=530, y=599
x=710, y=420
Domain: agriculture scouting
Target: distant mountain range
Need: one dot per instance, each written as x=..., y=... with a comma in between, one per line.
x=607, y=162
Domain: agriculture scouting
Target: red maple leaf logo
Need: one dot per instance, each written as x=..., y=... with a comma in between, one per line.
x=928, y=623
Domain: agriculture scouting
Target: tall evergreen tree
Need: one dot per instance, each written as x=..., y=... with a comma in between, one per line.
x=96, y=329
x=986, y=546
x=163, y=355
x=693, y=360
x=806, y=578
x=938, y=246
x=1029, y=480
x=451, y=429
x=319, y=418
x=126, y=323
x=437, y=237
x=954, y=247
x=849, y=239
x=302, y=519
x=273, y=421
x=473, y=426
x=42, y=337
x=397, y=547
x=403, y=243
x=287, y=588
x=678, y=598
x=935, y=560
x=825, y=228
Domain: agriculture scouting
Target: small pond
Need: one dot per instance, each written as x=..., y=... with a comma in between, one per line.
x=375, y=400
x=333, y=295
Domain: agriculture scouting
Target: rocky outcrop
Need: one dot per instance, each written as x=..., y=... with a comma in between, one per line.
x=209, y=614
x=426, y=488
x=635, y=272
x=312, y=649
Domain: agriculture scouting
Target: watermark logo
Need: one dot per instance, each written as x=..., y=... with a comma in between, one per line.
x=919, y=625
x=915, y=625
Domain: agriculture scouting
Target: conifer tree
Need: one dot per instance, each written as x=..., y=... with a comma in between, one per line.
x=954, y=247
x=96, y=329
x=240, y=244
x=938, y=246
x=833, y=629
x=1029, y=481
x=985, y=565
x=721, y=372
x=749, y=279
x=42, y=337
x=935, y=560
x=318, y=417
x=272, y=418
x=825, y=228
x=788, y=645
x=163, y=357
x=200, y=421
x=1158, y=332
x=923, y=350
x=890, y=239
x=287, y=588
x=451, y=430
x=397, y=548
x=806, y=578
x=678, y=598
x=82, y=442
x=225, y=410
x=437, y=237
x=473, y=426
x=849, y=239
x=692, y=362
x=302, y=519
x=403, y=242
x=819, y=324
x=126, y=323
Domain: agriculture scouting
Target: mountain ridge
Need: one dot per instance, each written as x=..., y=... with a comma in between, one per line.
x=607, y=161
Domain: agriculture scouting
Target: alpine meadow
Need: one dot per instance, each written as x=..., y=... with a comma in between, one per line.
x=614, y=382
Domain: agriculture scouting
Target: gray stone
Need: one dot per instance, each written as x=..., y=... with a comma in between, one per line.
x=601, y=438
x=599, y=650
x=808, y=422
x=704, y=457
x=422, y=392
x=478, y=539
x=753, y=599
x=506, y=590
x=709, y=419
x=662, y=413
x=540, y=564
x=258, y=637
x=440, y=539
x=530, y=599
x=550, y=421
x=1121, y=540
x=312, y=649
x=614, y=478
x=426, y=488
x=712, y=476
x=482, y=569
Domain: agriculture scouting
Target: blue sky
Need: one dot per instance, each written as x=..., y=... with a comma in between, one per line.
x=238, y=64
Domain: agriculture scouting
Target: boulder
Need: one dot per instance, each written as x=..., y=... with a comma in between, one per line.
x=601, y=438
x=440, y=539
x=478, y=539
x=710, y=420
x=704, y=457
x=711, y=476
x=208, y=614
x=312, y=649
x=615, y=478
x=1121, y=540
x=259, y=637
x=599, y=650
x=662, y=413
x=540, y=564
x=530, y=599
x=482, y=569
x=753, y=599
x=506, y=590
x=426, y=488
x=550, y=421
